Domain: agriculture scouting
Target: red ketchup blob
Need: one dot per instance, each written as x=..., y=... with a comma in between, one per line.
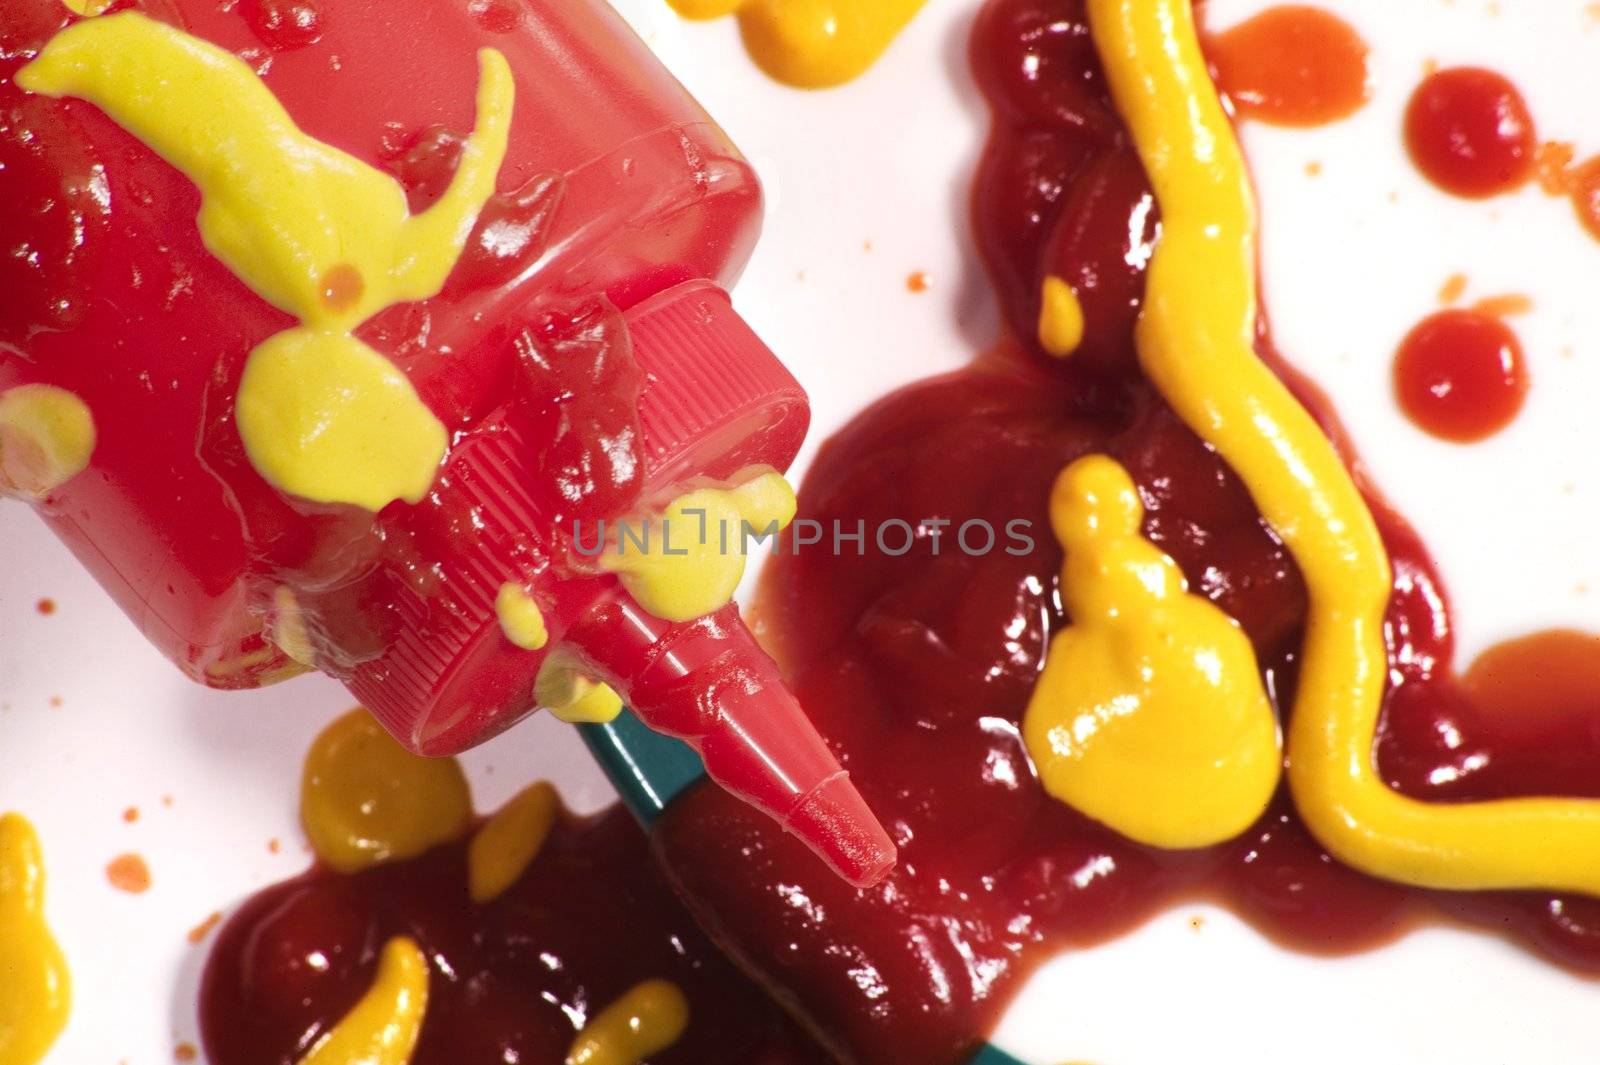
x=1469, y=132
x=1292, y=65
x=1460, y=375
x=513, y=979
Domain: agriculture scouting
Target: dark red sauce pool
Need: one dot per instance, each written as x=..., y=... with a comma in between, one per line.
x=918, y=667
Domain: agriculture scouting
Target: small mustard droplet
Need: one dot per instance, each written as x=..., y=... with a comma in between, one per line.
x=382, y=1028
x=645, y=1021
x=688, y=560
x=365, y=799
x=510, y=840
x=1150, y=715
x=1060, y=318
x=46, y=437
x=35, y=988
x=574, y=698
x=520, y=617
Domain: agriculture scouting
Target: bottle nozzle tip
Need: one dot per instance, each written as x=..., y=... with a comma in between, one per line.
x=835, y=821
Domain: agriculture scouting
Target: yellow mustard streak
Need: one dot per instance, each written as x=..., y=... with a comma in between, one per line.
x=811, y=44
x=520, y=617
x=383, y=1027
x=35, y=989
x=365, y=799
x=1195, y=340
x=46, y=437
x=563, y=689
x=1150, y=714
x=510, y=840
x=312, y=230
x=1060, y=318
x=688, y=560
x=647, y=1020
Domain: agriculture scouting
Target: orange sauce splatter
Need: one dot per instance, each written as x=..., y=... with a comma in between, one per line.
x=130, y=873
x=131, y=814
x=1504, y=305
x=185, y=1052
x=1551, y=165
x=342, y=287
x=1453, y=287
x=1585, y=192
x=1292, y=65
x=917, y=281
x=199, y=932
x=46, y=606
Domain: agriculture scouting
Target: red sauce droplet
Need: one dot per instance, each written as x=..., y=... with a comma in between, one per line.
x=1460, y=375
x=1469, y=132
x=342, y=287
x=510, y=233
x=283, y=24
x=46, y=606
x=128, y=872
x=1292, y=65
x=424, y=164
x=1584, y=188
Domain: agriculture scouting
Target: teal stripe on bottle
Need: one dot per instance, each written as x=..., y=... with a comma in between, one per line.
x=650, y=770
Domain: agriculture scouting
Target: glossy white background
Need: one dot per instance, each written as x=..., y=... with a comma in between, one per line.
x=888, y=161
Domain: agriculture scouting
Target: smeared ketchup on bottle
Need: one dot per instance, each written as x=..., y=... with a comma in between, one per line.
x=1470, y=132
x=1460, y=375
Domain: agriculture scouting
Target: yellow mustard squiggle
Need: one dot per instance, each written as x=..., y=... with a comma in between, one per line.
x=1196, y=344
x=645, y=1021
x=383, y=1027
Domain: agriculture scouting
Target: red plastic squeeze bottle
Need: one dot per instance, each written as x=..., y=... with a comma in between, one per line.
x=582, y=357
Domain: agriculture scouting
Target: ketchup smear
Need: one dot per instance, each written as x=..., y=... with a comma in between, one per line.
x=918, y=666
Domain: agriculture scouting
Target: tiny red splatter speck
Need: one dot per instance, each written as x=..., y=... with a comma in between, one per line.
x=46, y=606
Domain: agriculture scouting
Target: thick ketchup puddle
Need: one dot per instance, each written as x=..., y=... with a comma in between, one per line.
x=918, y=668
x=1470, y=132
x=511, y=980
x=1292, y=66
x=1460, y=375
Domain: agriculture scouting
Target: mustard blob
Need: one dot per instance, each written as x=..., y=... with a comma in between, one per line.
x=510, y=841
x=46, y=438
x=322, y=416
x=383, y=1027
x=1150, y=715
x=35, y=988
x=1195, y=339
x=688, y=560
x=365, y=799
x=520, y=617
x=811, y=44
x=1060, y=318
x=647, y=1020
